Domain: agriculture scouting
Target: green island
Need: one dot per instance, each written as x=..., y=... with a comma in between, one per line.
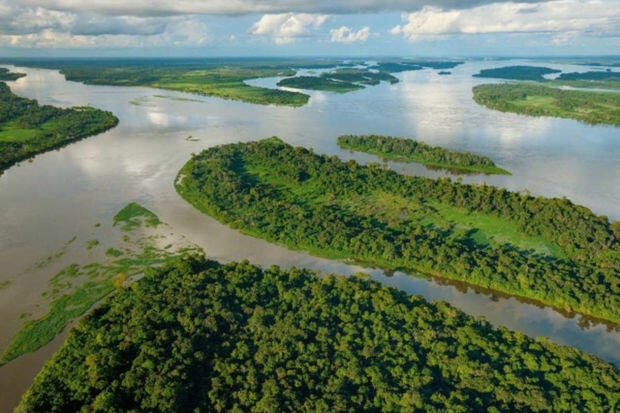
x=6, y=75
x=340, y=80
x=196, y=335
x=27, y=128
x=517, y=73
x=75, y=289
x=406, y=65
x=539, y=100
x=596, y=79
x=408, y=150
x=544, y=249
x=319, y=83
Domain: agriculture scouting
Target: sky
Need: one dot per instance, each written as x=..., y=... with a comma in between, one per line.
x=213, y=28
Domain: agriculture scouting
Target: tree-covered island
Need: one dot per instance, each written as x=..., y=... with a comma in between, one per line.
x=548, y=250
x=197, y=335
x=409, y=150
x=539, y=100
x=27, y=128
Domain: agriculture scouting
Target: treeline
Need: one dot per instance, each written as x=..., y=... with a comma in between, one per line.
x=538, y=100
x=6, y=75
x=27, y=128
x=197, y=335
x=517, y=72
x=408, y=150
x=317, y=203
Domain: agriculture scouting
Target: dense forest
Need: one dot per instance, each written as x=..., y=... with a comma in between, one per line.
x=549, y=250
x=6, y=75
x=197, y=335
x=408, y=150
x=517, y=72
x=27, y=128
x=538, y=100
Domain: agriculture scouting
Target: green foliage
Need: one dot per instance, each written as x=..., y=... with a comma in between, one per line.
x=517, y=72
x=407, y=150
x=222, y=81
x=26, y=128
x=6, y=75
x=476, y=234
x=538, y=100
x=133, y=215
x=197, y=335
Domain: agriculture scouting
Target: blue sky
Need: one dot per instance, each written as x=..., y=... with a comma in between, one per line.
x=449, y=28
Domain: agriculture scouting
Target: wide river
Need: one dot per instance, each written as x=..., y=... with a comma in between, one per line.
x=62, y=193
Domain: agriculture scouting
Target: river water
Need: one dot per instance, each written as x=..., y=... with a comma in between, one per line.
x=63, y=193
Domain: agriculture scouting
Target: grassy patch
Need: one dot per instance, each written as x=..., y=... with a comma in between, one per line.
x=76, y=288
x=135, y=215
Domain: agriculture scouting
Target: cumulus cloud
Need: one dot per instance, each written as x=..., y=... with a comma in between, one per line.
x=345, y=34
x=286, y=27
x=235, y=7
x=570, y=16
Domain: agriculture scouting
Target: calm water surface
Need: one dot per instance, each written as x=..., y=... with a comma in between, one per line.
x=63, y=193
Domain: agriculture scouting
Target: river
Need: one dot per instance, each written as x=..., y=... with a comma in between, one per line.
x=63, y=193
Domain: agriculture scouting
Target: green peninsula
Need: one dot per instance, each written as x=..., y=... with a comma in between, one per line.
x=408, y=150
x=27, y=128
x=539, y=100
x=197, y=335
x=548, y=250
x=6, y=75
x=227, y=82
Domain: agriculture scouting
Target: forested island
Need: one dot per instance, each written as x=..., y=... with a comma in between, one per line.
x=319, y=83
x=548, y=250
x=6, y=75
x=340, y=80
x=197, y=335
x=538, y=100
x=27, y=128
x=535, y=73
x=408, y=150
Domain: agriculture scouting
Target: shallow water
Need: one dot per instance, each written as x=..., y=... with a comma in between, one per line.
x=63, y=193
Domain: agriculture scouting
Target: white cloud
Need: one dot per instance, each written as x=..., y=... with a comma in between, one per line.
x=177, y=31
x=576, y=16
x=285, y=28
x=231, y=7
x=345, y=34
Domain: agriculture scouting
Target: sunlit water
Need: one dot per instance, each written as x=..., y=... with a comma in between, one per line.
x=63, y=193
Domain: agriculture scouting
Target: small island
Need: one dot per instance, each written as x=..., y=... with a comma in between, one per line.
x=340, y=80
x=539, y=100
x=27, y=128
x=543, y=249
x=6, y=75
x=534, y=73
x=197, y=335
x=319, y=83
x=408, y=150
